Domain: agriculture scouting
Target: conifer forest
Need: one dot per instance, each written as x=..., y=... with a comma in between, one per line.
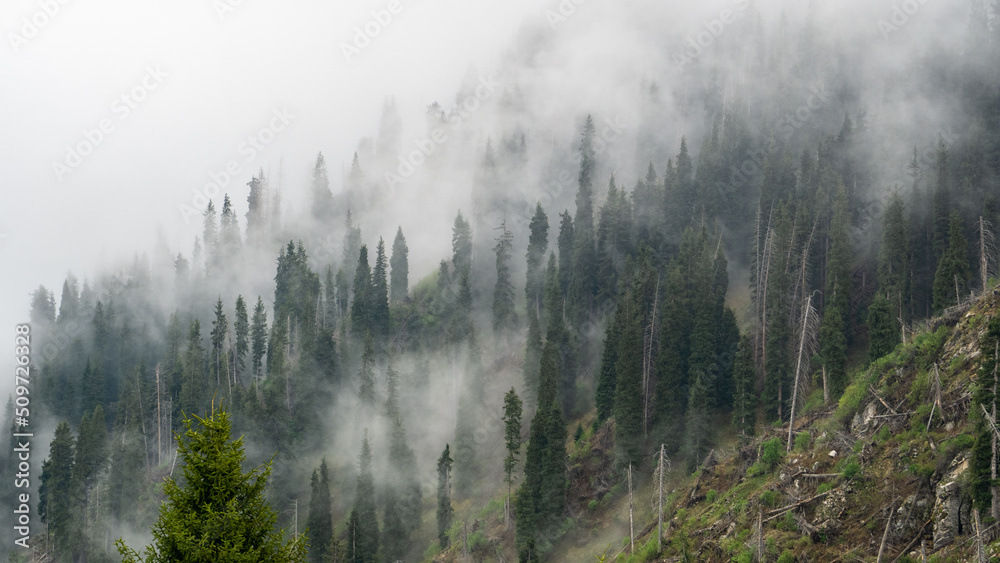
x=660, y=281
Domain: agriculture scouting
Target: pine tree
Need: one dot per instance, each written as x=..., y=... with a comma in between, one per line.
x=220, y=513
x=504, y=317
x=320, y=522
x=951, y=280
x=445, y=511
x=379, y=296
x=210, y=238
x=229, y=232
x=941, y=209
x=220, y=327
x=366, y=376
x=193, y=378
x=607, y=378
x=512, y=438
x=538, y=243
x=564, y=244
x=322, y=199
x=241, y=327
x=627, y=408
x=983, y=463
x=363, y=530
x=400, y=268
x=59, y=498
x=894, y=259
x=583, y=287
x=696, y=423
x=361, y=309
x=883, y=331
x=403, y=498
x=352, y=250
x=461, y=244
x=258, y=337
x=833, y=348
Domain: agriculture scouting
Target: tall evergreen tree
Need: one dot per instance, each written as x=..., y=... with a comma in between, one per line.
x=564, y=243
x=380, y=296
x=241, y=328
x=363, y=530
x=320, y=522
x=941, y=207
x=258, y=337
x=210, y=237
x=193, y=379
x=512, y=438
x=322, y=198
x=400, y=268
x=504, y=317
x=445, y=512
x=361, y=309
x=951, y=280
x=583, y=287
x=883, y=330
x=59, y=499
x=744, y=395
x=538, y=243
x=220, y=328
x=461, y=244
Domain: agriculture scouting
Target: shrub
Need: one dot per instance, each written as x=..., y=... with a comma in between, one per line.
x=802, y=441
x=851, y=470
x=786, y=557
x=823, y=487
x=712, y=496
x=770, y=498
x=772, y=452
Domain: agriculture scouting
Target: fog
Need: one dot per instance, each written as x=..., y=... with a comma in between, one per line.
x=122, y=118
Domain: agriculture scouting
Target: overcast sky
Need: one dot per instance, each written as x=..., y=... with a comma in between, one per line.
x=198, y=78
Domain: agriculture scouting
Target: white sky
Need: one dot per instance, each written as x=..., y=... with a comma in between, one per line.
x=224, y=78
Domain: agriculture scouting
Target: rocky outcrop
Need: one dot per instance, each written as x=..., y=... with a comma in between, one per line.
x=951, y=505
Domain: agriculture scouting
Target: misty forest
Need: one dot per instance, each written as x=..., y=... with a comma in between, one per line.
x=638, y=317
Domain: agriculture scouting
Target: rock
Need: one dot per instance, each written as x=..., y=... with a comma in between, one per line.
x=948, y=504
x=833, y=453
x=862, y=422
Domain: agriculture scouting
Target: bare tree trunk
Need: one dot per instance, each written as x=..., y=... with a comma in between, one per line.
x=760, y=535
x=826, y=390
x=650, y=342
x=798, y=370
x=659, y=528
x=631, y=529
x=159, y=419
x=885, y=536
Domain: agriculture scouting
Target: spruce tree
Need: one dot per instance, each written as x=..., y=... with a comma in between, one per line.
x=883, y=330
x=320, y=522
x=744, y=395
x=193, y=379
x=361, y=313
x=951, y=280
x=445, y=511
x=985, y=397
x=564, y=244
x=504, y=317
x=241, y=328
x=258, y=337
x=379, y=297
x=894, y=258
x=461, y=244
x=512, y=438
x=322, y=198
x=627, y=407
x=58, y=496
x=210, y=238
x=366, y=376
x=833, y=348
x=538, y=242
x=400, y=268
x=583, y=287
x=363, y=530
x=220, y=327
x=220, y=513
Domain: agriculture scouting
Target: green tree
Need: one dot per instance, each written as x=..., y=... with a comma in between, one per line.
x=504, y=317
x=193, y=378
x=744, y=397
x=380, y=296
x=220, y=513
x=833, y=347
x=583, y=287
x=883, y=330
x=220, y=327
x=445, y=511
x=241, y=328
x=320, y=522
x=258, y=337
x=985, y=397
x=461, y=244
x=951, y=280
x=894, y=259
x=322, y=198
x=58, y=495
x=366, y=375
x=512, y=438
x=400, y=268
x=538, y=243
x=564, y=243
x=361, y=309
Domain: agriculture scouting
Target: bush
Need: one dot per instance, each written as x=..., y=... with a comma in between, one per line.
x=851, y=470
x=802, y=441
x=770, y=498
x=772, y=452
x=786, y=557
x=712, y=496
x=823, y=488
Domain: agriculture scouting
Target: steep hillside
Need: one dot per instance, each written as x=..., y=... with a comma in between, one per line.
x=883, y=475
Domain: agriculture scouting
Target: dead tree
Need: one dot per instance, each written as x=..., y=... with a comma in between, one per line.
x=807, y=345
x=651, y=342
